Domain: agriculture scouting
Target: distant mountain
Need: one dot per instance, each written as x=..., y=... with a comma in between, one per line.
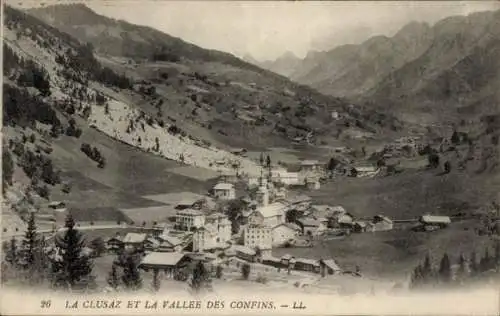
x=353, y=69
x=422, y=69
x=284, y=65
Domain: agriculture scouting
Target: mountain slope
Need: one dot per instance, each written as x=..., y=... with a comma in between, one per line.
x=211, y=88
x=284, y=65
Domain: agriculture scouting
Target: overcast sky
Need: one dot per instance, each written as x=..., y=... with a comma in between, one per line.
x=266, y=29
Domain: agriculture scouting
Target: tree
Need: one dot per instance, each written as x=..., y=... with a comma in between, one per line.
x=7, y=167
x=112, y=279
x=156, y=283
x=245, y=271
x=474, y=269
x=497, y=254
x=28, y=247
x=261, y=159
x=332, y=164
x=462, y=269
x=427, y=271
x=486, y=261
x=433, y=160
x=445, y=269
x=219, y=272
x=131, y=277
x=11, y=252
x=199, y=279
x=268, y=162
x=455, y=138
x=98, y=245
x=447, y=167
x=74, y=266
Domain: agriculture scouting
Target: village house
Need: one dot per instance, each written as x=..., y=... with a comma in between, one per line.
x=329, y=266
x=310, y=168
x=312, y=227
x=170, y=243
x=380, y=223
x=244, y=252
x=168, y=262
x=298, y=202
x=359, y=226
x=284, y=233
x=281, y=175
x=258, y=236
x=364, y=171
x=134, y=241
x=56, y=205
x=205, y=238
x=222, y=225
x=270, y=215
x=114, y=244
x=432, y=222
x=224, y=191
x=189, y=219
x=151, y=244
x=309, y=265
x=312, y=183
x=272, y=261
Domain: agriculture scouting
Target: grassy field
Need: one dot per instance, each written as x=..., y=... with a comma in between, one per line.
x=395, y=253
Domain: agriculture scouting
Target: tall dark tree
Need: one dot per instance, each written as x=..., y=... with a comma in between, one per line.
x=29, y=244
x=462, y=268
x=74, y=266
x=261, y=159
x=200, y=277
x=486, y=261
x=219, y=272
x=497, y=254
x=156, y=283
x=433, y=160
x=427, y=271
x=7, y=168
x=245, y=271
x=455, y=138
x=332, y=164
x=11, y=252
x=268, y=162
x=113, y=280
x=131, y=277
x=473, y=267
x=445, y=270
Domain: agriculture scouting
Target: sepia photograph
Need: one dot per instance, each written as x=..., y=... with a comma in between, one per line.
x=232, y=157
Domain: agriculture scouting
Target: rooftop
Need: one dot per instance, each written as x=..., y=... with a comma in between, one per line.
x=223, y=186
x=244, y=249
x=134, y=238
x=162, y=258
x=190, y=212
x=309, y=162
x=174, y=241
x=273, y=209
x=435, y=219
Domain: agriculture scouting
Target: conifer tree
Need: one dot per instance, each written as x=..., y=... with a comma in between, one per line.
x=261, y=159
x=199, y=278
x=485, y=262
x=497, y=254
x=427, y=273
x=11, y=252
x=462, y=269
x=29, y=244
x=156, y=280
x=112, y=279
x=445, y=269
x=131, y=276
x=73, y=266
x=474, y=269
x=268, y=162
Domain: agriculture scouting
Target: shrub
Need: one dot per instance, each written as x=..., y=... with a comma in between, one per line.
x=245, y=271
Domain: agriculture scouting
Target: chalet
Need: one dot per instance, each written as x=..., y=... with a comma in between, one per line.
x=364, y=171
x=272, y=261
x=298, y=202
x=151, y=244
x=239, y=151
x=359, y=227
x=311, y=227
x=224, y=191
x=329, y=266
x=432, y=222
x=283, y=233
x=114, y=244
x=312, y=183
x=170, y=243
x=169, y=262
x=134, y=240
x=244, y=253
x=272, y=214
x=380, y=223
x=57, y=205
x=309, y=265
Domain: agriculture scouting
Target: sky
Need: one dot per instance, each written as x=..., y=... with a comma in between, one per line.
x=267, y=29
